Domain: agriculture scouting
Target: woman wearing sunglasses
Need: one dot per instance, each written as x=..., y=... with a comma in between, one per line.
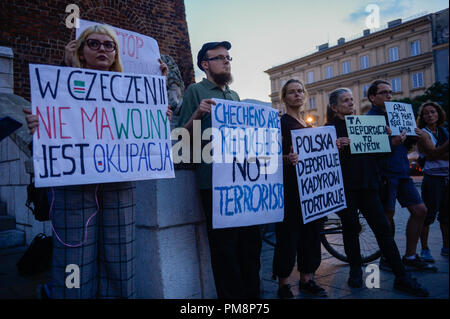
x=93, y=225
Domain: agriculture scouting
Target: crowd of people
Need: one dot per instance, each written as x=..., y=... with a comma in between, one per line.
x=373, y=184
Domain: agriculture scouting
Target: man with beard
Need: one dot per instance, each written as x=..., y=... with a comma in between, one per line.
x=235, y=252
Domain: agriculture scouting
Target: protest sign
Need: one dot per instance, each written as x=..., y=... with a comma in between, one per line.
x=247, y=165
x=367, y=133
x=401, y=118
x=319, y=175
x=139, y=53
x=98, y=126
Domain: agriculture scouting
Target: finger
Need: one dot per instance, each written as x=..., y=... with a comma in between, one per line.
x=26, y=111
x=209, y=101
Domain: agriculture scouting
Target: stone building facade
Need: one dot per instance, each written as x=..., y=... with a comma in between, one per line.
x=401, y=53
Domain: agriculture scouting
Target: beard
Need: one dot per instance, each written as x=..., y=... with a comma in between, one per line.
x=222, y=78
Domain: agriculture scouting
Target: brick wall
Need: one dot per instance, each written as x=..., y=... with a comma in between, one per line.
x=37, y=33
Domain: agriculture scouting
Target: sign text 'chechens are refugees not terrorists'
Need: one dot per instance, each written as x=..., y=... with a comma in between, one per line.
x=99, y=126
x=247, y=165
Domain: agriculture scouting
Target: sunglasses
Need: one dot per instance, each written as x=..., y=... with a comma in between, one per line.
x=93, y=44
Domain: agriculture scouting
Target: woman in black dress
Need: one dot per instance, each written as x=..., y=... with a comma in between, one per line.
x=292, y=236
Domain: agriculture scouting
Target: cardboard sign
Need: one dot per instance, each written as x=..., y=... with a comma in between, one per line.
x=319, y=174
x=367, y=133
x=98, y=126
x=401, y=118
x=139, y=52
x=247, y=165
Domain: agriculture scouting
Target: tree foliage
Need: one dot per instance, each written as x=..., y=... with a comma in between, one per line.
x=438, y=93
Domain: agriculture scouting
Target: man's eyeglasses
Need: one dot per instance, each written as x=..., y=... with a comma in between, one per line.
x=385, y=92
x=220, y=58
x=95, y=45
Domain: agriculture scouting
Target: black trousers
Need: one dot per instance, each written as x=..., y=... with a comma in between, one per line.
x=369, y=203
x=302, y=241
x=235, y=257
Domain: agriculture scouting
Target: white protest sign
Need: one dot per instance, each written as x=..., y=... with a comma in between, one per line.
x=139, y=52
x=247, y=164
x=99, y=126
x=319, y=175
x=401, y=118
x=367, y=133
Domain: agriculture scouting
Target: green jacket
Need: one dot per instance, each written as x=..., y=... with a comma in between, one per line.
x=194, y=94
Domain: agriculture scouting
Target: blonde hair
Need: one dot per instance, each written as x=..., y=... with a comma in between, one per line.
x=102, y=29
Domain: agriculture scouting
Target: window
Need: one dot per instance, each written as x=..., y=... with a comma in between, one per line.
x=393, y=54
x=345, y=67
x=396, y=84
x=329, y=72
x=364, y=62
x=415, y=48
x=417, y=80
x=310, y=77
x=364, y=90
x=312, y=103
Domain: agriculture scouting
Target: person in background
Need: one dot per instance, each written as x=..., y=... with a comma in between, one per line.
x=397, y=185
x=433, y=147
x=293, y=237
x=361, y=182
x=93, y=225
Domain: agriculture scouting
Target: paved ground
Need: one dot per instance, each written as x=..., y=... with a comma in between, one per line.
x=332, y=273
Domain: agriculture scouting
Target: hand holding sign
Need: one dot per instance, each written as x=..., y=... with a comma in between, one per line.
x=204, y=108
x=293, y=157
x=32, y=120
x=342, y=142
x=69, y=52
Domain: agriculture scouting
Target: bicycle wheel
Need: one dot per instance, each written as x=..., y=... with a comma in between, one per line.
x=332, y=240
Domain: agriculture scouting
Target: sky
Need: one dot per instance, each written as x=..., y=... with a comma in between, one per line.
x=266, y=33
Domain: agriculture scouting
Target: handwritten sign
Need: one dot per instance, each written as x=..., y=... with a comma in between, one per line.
x=247, y=165
x=367, y=133
x=401, y=118
x=319, y=175
x=98, y=126
x=139, y=52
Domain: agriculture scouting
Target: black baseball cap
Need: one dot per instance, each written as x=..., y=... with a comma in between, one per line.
x=209, y=46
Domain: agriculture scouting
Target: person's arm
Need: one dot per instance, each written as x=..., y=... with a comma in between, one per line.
x=32, y=120
x=69, y=52
x=399, y=139
x=291, y=158
x=425, y=146
x=203, y=108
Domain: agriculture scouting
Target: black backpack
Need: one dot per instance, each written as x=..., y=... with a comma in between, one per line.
x=38, y=257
